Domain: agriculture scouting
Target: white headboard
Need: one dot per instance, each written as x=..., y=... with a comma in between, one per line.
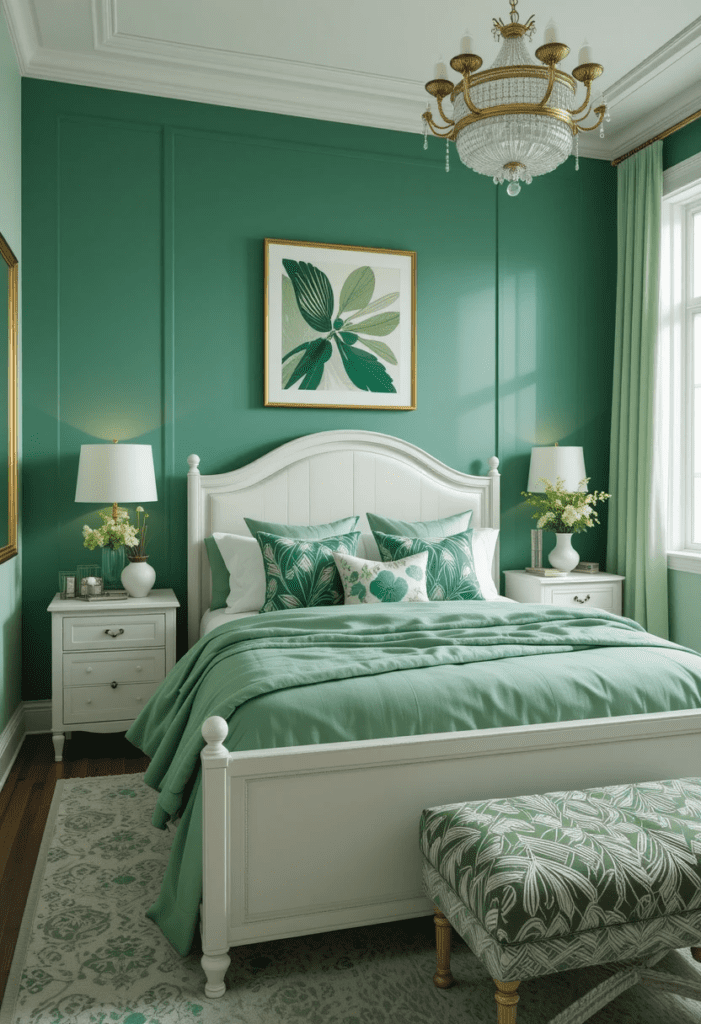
x=322, y=477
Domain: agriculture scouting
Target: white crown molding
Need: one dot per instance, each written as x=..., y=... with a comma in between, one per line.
x=659, y=120
x=23, y=29
x=680, y=179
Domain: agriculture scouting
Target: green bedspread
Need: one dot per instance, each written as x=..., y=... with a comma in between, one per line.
x=322, y=675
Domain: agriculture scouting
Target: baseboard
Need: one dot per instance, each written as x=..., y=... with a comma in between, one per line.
x=11, y=739
x=37, y=716
x=31, y=716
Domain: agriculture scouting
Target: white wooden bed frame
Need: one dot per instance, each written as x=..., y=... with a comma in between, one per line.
x=314, y=838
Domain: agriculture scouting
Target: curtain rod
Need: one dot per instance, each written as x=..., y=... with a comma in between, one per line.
x=656, y=138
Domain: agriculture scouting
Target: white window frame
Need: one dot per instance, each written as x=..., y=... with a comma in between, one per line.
x=681, y=201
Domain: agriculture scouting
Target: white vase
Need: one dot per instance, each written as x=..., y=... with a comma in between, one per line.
x=138, y=576
x=563, y=556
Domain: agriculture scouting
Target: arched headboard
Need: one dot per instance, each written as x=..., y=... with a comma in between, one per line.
x=322, y=477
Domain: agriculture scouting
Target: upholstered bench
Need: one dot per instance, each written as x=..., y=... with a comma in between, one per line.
x=546, y=883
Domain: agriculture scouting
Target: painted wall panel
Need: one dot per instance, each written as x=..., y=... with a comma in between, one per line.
x=199, y=188
x=10, y=226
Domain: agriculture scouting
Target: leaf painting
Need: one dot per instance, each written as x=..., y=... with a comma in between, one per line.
x=328, y=346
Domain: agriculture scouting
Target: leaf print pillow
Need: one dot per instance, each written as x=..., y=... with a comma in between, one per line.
x=302, y=573
x=366, y=582
x=450, y=570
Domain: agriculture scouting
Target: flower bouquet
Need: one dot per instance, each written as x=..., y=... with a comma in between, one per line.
x=113, y=535
x=564, y=513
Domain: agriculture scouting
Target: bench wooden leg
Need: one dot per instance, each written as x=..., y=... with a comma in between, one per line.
x=506, y=998
x=696, y=953
x=442, y=978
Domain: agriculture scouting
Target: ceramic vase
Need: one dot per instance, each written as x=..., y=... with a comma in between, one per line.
x=112, y=565
x=138, y=576
x=563, y=556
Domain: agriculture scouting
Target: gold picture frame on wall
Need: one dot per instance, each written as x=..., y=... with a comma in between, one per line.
x=8, y=405
x=340, y=326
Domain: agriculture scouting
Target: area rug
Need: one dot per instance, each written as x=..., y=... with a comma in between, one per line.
x=88, y=955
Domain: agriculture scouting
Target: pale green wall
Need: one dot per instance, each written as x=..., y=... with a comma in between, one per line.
x=10, y=227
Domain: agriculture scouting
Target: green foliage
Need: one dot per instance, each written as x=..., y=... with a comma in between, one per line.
x=313, y=306
x=564, y=511
x=388, y=587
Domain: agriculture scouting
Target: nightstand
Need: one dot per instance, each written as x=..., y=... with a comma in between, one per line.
x=577, y=589
x=108, y=658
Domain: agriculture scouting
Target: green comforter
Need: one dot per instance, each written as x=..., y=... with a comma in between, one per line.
x=322, y=675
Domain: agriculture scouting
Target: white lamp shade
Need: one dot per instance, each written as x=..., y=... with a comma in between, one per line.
x=565, y=463
x=115, y=472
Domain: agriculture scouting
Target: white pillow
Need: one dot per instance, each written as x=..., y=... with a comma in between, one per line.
x=369, y=582
x=483, y=545
x=244, y=561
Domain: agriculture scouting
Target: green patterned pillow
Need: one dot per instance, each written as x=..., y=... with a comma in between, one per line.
x=366, y=582
x=302, y=573
x=450, y=571
x=320, y=532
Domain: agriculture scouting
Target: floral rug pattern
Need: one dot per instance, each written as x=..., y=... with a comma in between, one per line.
x=94, y=958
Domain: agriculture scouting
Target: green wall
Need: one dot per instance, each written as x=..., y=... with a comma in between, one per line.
x=10, y=227
x=144, y=222
x=684, y=587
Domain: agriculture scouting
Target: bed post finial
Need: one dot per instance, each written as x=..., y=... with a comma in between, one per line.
x=215, y=730
x=494, y=466
x=193, y=462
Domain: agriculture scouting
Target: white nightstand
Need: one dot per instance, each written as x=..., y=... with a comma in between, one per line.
x=578, y=589
x=108, y=657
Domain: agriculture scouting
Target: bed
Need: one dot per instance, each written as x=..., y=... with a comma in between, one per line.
x=319, y=836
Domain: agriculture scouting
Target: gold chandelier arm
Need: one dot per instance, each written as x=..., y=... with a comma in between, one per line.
x=551, y=83
x=583, y=128
x=585, y=104
x=441, y=131
x=466, y=94
x=448, y=120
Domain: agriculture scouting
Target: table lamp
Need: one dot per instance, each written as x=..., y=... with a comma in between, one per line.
x=564, y=462
x=115, y=474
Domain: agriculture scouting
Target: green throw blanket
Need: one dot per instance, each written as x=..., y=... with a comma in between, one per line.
x=322, y=675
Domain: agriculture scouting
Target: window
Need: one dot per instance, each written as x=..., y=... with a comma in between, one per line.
x=679, y=370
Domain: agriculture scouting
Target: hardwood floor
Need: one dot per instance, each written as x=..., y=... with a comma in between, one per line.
x=24, y=806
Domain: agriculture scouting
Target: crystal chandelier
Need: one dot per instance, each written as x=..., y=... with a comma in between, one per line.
x=517, y=119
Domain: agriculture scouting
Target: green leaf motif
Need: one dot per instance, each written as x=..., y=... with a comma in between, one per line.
x=378, y=304
x=313, y=293
x=365, y=371
x=311, y=366
x=380, y=325
x=359, y=591
x=295, y=329
x=380, y=349
x=357, y=289
x=415, y=571
x=388, y=587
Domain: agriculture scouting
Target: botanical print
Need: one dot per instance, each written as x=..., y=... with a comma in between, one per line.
x=302, y=573
x=339, y=326
x=367, y=582
x=450, y=575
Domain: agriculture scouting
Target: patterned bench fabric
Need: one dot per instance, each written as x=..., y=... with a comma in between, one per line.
x=561, y=864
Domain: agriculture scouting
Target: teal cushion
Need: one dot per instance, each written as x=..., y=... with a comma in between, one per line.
x=220, y=574
x=302, y=573
x=341, y=526
x=430, y=528
x=450, y=573
x=531, y=868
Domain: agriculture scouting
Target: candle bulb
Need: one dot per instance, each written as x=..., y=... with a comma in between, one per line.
x=551, y=32
x=585, y=54
x=466, y=43
x=441, y=70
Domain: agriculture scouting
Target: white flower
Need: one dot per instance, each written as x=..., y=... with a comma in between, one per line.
x=139, y=508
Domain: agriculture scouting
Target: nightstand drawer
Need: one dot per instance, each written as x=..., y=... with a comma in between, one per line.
x=113, y=632
x=597, y=596
x=103, y=704
x=105, y=667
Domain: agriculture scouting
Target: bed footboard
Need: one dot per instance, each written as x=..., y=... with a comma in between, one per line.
x=315, y=838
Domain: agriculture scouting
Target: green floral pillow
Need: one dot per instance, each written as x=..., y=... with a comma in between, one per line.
x=450, y=570
x=302, y=573
x=366, y=582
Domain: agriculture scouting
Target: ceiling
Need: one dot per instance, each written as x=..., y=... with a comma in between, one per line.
x=363, y=62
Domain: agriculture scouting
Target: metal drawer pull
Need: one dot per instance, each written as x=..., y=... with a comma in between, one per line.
x=582, y=600
x=114, y=632
x=113, y=685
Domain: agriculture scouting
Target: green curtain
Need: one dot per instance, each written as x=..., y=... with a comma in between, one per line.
x=637, y=512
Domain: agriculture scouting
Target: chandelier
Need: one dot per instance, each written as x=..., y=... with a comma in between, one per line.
x=517, y=119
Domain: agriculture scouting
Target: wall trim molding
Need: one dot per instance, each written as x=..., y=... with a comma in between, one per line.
x=684, y=561
x=37, y=716
x=29, y=717
x=682, y=175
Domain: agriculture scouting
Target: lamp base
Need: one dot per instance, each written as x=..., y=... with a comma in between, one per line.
x=112, y=564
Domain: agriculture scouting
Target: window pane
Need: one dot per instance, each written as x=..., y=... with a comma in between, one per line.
x=696, y=521
x=697, y=255
x=696, y=335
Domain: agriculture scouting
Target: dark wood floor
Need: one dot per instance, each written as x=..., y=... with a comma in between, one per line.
x=24, y=806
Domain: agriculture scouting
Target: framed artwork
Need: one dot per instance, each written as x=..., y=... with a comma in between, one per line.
x=340, y=326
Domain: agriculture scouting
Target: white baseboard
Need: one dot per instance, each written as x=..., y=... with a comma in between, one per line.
x=10, y=742
x=37, y=716
x=31, y=716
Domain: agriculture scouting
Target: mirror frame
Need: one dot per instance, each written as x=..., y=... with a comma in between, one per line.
x=10, y=549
